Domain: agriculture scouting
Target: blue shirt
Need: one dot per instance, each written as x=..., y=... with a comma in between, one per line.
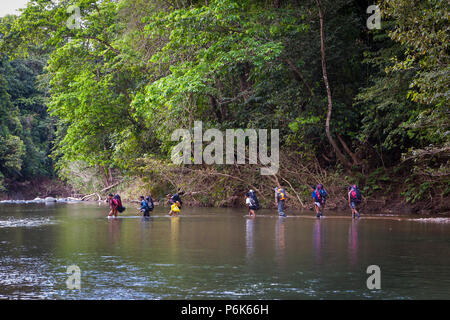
x=144, y=205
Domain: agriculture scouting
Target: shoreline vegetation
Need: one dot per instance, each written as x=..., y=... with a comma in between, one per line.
x=130, y=193
x=90, y=99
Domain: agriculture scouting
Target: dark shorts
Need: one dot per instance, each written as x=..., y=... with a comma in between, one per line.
x=253, y=208
x=146, y=213
x=354, y=205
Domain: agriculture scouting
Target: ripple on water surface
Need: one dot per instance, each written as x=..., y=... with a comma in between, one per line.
x=432, y=220
x=25, y=222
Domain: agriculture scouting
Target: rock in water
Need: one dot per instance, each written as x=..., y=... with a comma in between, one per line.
x=50, y=199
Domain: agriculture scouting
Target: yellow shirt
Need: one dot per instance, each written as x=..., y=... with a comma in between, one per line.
x=175, y=208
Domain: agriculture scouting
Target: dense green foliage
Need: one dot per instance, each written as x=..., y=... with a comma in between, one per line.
x=26, y=129
x=136, y=70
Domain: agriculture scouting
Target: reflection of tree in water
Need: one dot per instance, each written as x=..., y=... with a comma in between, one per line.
x=353, y=242
x=280, y=243
x=249, y=237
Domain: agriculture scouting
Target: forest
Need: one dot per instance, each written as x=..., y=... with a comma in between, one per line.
x=91, y=92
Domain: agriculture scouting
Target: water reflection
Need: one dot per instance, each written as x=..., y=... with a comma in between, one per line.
x=174, y=235
x=146, y=226
x=249, y=237
x=293, y=258
x=318, y=241
x=146, y=223
x=353, y=242
x=280, y=243
x=114, y=228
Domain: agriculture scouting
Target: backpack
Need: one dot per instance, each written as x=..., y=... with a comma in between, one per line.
x=355, y=194
x=281, y=194
x=253, y=199
x=316, y=196
x=175, y=198
x=150, y=204
x=120, y=207
x=323, y=192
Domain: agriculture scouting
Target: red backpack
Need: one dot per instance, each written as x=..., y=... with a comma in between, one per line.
x=116, y=200
x=355, y=194
x=317, y=196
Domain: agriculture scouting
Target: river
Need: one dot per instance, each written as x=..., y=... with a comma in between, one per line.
x=216, y=253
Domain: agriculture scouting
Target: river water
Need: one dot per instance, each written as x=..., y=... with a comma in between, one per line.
x=211, y=253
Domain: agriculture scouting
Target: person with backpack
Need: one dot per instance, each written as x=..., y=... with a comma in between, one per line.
x=115, y=205
x=319, y=195
x=323, y=193
x=280, y=199
x=251, y=205
x=175, y=198
x=318, y=201
x=354, y=199
x=112, y=205
x=145, y=208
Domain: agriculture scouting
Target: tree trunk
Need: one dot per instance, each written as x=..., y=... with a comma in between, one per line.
x=110, y=175
x=299, y=74
x=347, y=149
x=215, y=108
x=338, y=152
x=243, y=80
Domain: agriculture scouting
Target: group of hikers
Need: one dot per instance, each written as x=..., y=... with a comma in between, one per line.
x=319, y=195
x=147, y=205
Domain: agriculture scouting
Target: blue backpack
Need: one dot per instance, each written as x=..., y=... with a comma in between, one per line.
x=150, y=204
x=253, y=198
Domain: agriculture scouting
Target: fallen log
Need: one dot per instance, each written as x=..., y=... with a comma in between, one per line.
x=91, y=195
x=111, y=186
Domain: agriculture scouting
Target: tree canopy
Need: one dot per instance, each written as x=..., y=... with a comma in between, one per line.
x=130, y=72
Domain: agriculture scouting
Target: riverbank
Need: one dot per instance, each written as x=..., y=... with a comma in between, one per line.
x=211, y=196
x=383, y=193
x=39, y=187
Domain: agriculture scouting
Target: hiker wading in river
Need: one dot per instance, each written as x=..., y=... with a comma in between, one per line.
x=280, y=199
